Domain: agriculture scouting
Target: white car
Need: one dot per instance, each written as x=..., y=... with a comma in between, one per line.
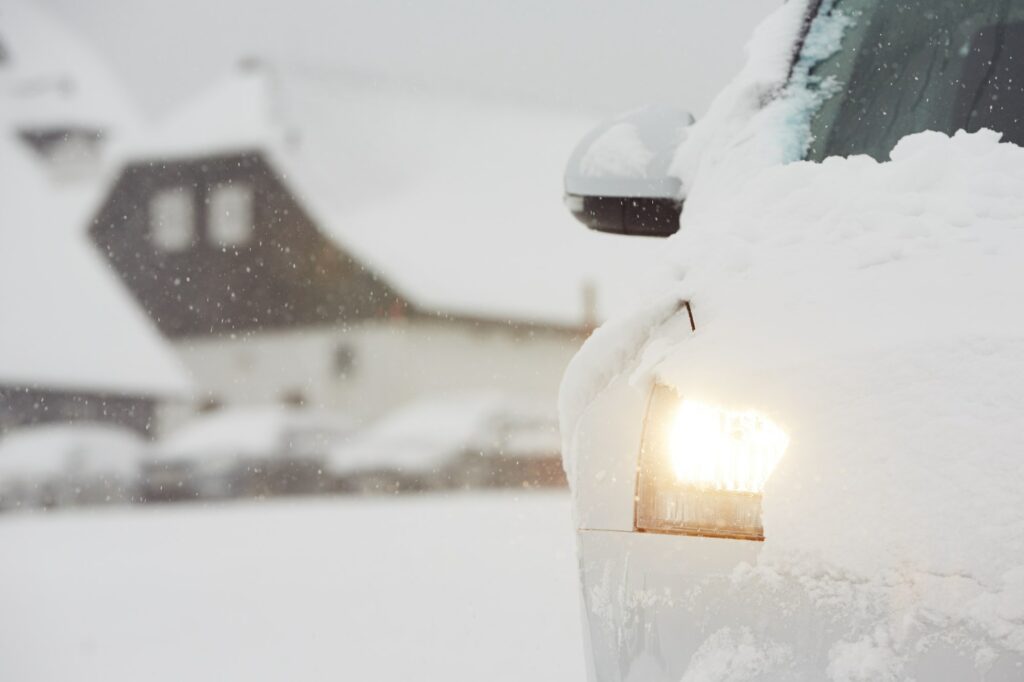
x=244, y=451
x=52, y=465
x=806, y=460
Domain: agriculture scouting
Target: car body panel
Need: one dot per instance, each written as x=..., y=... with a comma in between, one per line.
x=662, y=608
x=609, y=444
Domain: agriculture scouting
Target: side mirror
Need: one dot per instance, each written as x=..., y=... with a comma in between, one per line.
x=617, y=179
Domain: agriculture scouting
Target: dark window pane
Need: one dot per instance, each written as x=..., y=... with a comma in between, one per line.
x=916, y=65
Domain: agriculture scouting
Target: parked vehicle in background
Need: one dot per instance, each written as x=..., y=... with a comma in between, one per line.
x=56, y=465
x=469, y=441
x=529, y=453
x=244, y=452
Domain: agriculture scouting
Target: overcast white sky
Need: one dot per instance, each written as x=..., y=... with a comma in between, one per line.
x=598, y=56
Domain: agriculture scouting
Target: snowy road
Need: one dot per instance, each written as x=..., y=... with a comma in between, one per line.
x=464, y=587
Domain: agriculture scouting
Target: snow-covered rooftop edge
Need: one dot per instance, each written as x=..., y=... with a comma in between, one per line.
x=454, y=202
x=68, y=322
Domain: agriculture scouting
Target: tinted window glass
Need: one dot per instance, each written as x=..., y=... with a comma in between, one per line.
x=914, y=65
x=992, y=91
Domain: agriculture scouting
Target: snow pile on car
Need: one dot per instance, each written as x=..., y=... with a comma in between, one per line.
x=869, y=307
x=736, y=655
x=739, y=137
x=870, y=310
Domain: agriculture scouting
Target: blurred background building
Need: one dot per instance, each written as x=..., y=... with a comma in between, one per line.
x=245, y=226
x=252, y=249
x=75, y=346
x=302, y=260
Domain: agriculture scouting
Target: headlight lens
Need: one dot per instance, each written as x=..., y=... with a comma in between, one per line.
x=703, y=468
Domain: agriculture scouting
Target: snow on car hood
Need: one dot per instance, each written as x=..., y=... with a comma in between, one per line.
x=868, y=307
x=870, y=310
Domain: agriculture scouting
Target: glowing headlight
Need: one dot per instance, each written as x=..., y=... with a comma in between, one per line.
x=703, y=469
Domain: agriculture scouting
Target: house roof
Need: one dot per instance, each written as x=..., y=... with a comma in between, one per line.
x=455, y=202
x=68, y=323
x=49, y=78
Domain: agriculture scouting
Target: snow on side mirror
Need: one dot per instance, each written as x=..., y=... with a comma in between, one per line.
x=617, y=179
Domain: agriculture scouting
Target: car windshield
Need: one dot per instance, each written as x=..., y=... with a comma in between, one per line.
x=906, y=66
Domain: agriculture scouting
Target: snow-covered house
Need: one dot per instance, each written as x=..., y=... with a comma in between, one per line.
x=58, y=98
x=74, y=345
x=358, y=247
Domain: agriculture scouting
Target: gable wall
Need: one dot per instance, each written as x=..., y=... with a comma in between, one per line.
x=287, y=275
x=370, y=368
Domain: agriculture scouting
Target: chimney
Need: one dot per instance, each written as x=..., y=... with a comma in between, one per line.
x=275, y=102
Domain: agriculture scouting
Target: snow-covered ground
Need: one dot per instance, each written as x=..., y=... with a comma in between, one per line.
x=457, y=587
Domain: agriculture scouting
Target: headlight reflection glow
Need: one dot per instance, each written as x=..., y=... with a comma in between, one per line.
x=711, y=448
x=703, y=469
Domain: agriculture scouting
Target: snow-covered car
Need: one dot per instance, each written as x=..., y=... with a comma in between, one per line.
x=53, y=465
x=475, y=440
x=804, y=462
x=271, y=450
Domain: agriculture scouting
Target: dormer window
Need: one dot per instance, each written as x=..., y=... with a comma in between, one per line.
x=172, y=219
x=230, y=218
